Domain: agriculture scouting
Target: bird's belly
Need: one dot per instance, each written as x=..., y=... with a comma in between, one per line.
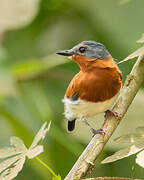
x=81, y=108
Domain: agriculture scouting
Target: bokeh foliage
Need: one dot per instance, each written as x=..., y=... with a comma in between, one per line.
x=33, y=79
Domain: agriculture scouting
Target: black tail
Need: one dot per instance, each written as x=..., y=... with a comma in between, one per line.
x=71, y=125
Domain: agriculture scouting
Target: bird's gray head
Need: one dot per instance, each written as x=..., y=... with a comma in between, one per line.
x=90, y=49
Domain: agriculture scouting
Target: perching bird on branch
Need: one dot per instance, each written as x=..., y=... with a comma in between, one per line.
x=94, y=89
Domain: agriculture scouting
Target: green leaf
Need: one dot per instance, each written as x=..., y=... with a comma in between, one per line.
x=56, y=177
x=36, y=149
x=140, y=159
x=133, y=137
x=123, y=153
x=40, y=135
x=138, y=52
x=136, y=142
x=129, y=138
x=13, y=157
x=11, y=167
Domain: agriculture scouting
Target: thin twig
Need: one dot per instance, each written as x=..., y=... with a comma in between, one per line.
x=94, y=148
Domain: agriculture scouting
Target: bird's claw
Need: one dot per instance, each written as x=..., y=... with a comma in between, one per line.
x=98, y=131
x=109, y=113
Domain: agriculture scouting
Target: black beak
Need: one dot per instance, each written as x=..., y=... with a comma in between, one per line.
x=65, y=53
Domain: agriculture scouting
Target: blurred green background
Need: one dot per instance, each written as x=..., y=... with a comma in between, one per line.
x=33, y=79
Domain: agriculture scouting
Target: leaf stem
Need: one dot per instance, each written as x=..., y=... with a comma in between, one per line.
x=46, y=166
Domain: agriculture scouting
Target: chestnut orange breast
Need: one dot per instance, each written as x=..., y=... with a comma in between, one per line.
x=95, y=86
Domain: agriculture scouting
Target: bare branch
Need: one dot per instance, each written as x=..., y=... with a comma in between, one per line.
x=110, y=178
x=94, y=148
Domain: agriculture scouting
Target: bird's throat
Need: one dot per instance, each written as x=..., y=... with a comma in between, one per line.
x=89, y=64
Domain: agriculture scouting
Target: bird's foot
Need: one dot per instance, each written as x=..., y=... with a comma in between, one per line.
x=94, y=132
x=98, y=131
x=109, y=113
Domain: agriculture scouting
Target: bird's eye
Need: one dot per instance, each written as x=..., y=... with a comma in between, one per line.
x=82, y=49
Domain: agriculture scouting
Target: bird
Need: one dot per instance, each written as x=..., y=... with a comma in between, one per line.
x=94, y=88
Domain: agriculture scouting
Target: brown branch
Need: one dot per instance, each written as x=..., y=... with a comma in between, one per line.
x=110, y=178
x=94, y=148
